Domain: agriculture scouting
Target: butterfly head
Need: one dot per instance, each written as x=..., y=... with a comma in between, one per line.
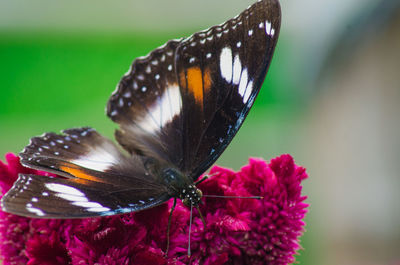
x=180, y=186
x=191, y=196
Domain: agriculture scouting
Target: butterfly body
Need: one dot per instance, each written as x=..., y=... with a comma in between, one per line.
x=178, y=185
x=177, y=109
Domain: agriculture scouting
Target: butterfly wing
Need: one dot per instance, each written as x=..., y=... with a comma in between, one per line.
x=185, y=101
x=47, y=197
x=147, y=105
x=92, y=165
x=221, y=71
x=179, y=106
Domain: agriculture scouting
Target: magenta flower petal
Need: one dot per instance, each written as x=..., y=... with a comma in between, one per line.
x=237, y=231
x=47, y=250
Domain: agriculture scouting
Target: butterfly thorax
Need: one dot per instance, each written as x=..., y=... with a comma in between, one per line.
x=179, y=185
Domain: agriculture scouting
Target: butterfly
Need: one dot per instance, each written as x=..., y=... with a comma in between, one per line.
x=177, y=109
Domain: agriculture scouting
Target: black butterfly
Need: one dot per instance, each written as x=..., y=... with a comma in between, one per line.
x=178, y=108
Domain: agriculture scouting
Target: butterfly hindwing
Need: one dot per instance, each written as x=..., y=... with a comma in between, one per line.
x=58, y=153
x=48, y=197
x=85, y=154
x=147, y=105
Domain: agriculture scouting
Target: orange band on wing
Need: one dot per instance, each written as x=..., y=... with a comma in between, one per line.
x=195, y=83
x=198, y=83
x=79, y=173
x=207, y=80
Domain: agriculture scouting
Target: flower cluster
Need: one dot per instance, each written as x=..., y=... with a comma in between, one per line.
x=237, y=231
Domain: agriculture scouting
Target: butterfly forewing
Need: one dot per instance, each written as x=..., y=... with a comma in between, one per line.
x=220, y=72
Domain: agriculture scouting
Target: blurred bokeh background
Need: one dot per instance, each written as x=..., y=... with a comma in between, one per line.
x=331, y=98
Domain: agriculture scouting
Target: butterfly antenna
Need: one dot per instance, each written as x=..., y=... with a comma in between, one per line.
x=201, y=216
x=204, y=178
x=201, y=180
x=169, y=226
x=190, y=229
x=233, y=197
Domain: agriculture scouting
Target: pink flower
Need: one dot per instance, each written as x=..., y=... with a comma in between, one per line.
x=237, y=231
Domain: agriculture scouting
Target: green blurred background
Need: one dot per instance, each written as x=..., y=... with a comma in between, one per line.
x=331, y=98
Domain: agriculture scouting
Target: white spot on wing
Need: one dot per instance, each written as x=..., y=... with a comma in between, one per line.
x=61, y=188
x=243, y=82
x=127, y=94
x=98, y=209
x=34, y=210
x=99, y=158
x=92, y=206
x=148, y=69
x=72, y=198
x=237, y=70
x=247, y=94
x=163, y=111
x=87, y=204
x=135, y=85
x=225, y=64
x=267, y=27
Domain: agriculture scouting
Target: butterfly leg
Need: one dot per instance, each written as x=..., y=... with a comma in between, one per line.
x=169, y=226
x=201, y=216
x=189, y=252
